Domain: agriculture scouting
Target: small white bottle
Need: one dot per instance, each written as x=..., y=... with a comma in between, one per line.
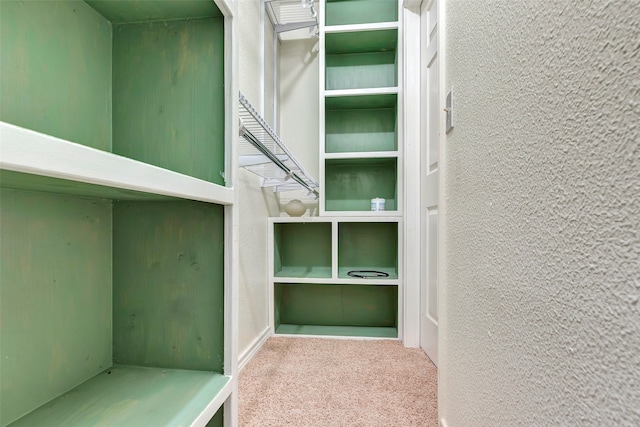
x=377, y=204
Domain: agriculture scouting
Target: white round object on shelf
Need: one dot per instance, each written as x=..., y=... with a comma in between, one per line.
x=295, y=208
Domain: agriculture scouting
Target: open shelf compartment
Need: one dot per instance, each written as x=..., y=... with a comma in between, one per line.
x=368, y=246
x=90, y=284
x=302, y=250
x=141, y=79
x=364, y=123
x=361, y=59
x=348, y=12
x=339, y=309
x=350, y=184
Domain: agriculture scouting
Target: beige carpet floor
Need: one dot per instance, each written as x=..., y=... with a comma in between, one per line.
x=332, y=382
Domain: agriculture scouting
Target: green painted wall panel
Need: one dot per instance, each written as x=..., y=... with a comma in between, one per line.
x=55, y=70
x=350, y=184
x=343, y=12
x=337, y=305
x=303, y=249
x=168, y=95
x=360, y=71
x=344, y=43
x=168, y=276
x=55, y=296
x=368, y=245
x=361, y=130
x=136, y=10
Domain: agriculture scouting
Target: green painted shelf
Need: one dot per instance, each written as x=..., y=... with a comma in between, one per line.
x=338, y=331
x=350, y=184
x=302, y=249
x=363, y=123
x=129, y=396
x=346, y=12
x=364, y=59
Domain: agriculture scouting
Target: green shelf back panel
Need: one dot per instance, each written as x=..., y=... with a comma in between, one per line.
x=345, y=12
x=303, y=249
x=364, y=59
x=350, y=184
x=125, y=11
x=218, y=419
x=55, y=70
x=168, y=95
x=168, y=284
x=55, y=309
x=337, y=305
x=339, y=331
x=368, y=245
x=361, y=124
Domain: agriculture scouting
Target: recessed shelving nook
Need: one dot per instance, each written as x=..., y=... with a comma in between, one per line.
x=341, y=275
x=115, y=213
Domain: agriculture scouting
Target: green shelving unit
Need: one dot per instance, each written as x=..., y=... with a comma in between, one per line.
x=302, y=250
x=368, y=246
x=363, y=59
x=351, y=183
x=338, y=309
x=113, y=288
x=360, y=124
x=346, y=12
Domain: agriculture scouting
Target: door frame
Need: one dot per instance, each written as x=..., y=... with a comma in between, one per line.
x=413, y=232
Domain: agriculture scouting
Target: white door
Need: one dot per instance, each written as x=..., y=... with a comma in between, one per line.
x=429, y=136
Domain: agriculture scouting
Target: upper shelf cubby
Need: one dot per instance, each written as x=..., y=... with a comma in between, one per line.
x=347, y=12
x=361, y=59
x=141, y=79
x=362, y=123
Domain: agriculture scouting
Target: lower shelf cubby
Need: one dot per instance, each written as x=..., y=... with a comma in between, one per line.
x=368, y=248
x=111, y=310
x=336, y=309
x=302, y=249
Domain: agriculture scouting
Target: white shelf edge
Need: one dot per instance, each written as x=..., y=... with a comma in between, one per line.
x=381, y=216
x=362, y=155
x=391, y=90
x=215, y=404
x=339, y=281
x=27, y=151
x=351, y=28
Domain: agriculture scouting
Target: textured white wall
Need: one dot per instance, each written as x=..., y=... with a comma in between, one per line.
x=255, y=205
x=540, y=311
x=299, y=103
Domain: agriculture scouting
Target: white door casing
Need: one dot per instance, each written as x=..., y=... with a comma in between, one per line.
x=429, y=176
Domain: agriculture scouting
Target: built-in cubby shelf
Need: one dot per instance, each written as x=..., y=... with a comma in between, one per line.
x=113, y=213
x=362, y=59
x=351, y=183
x=347, y=12
x=365, y=123
x=335, y=302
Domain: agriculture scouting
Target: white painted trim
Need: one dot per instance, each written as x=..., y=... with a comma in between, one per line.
x=357, y=92
x=231, y=214
x=412, y=259
x=337, y=281
x=253, y=348
x=24, y=150
x=361, y=27
x=413, y=5
x=338, y=337
x=443, y=423
x=215, y=404
x=363, y=155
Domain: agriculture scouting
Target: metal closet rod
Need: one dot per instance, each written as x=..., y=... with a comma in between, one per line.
x=249, y=137
x=264, y=150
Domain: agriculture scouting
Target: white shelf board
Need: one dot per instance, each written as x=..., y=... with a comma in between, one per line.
x=362, y=155
x=351, y=28
x=337, y=281
x=27, y=151
x=360, y=92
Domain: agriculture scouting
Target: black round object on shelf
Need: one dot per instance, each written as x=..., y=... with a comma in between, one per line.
x=367, y=274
